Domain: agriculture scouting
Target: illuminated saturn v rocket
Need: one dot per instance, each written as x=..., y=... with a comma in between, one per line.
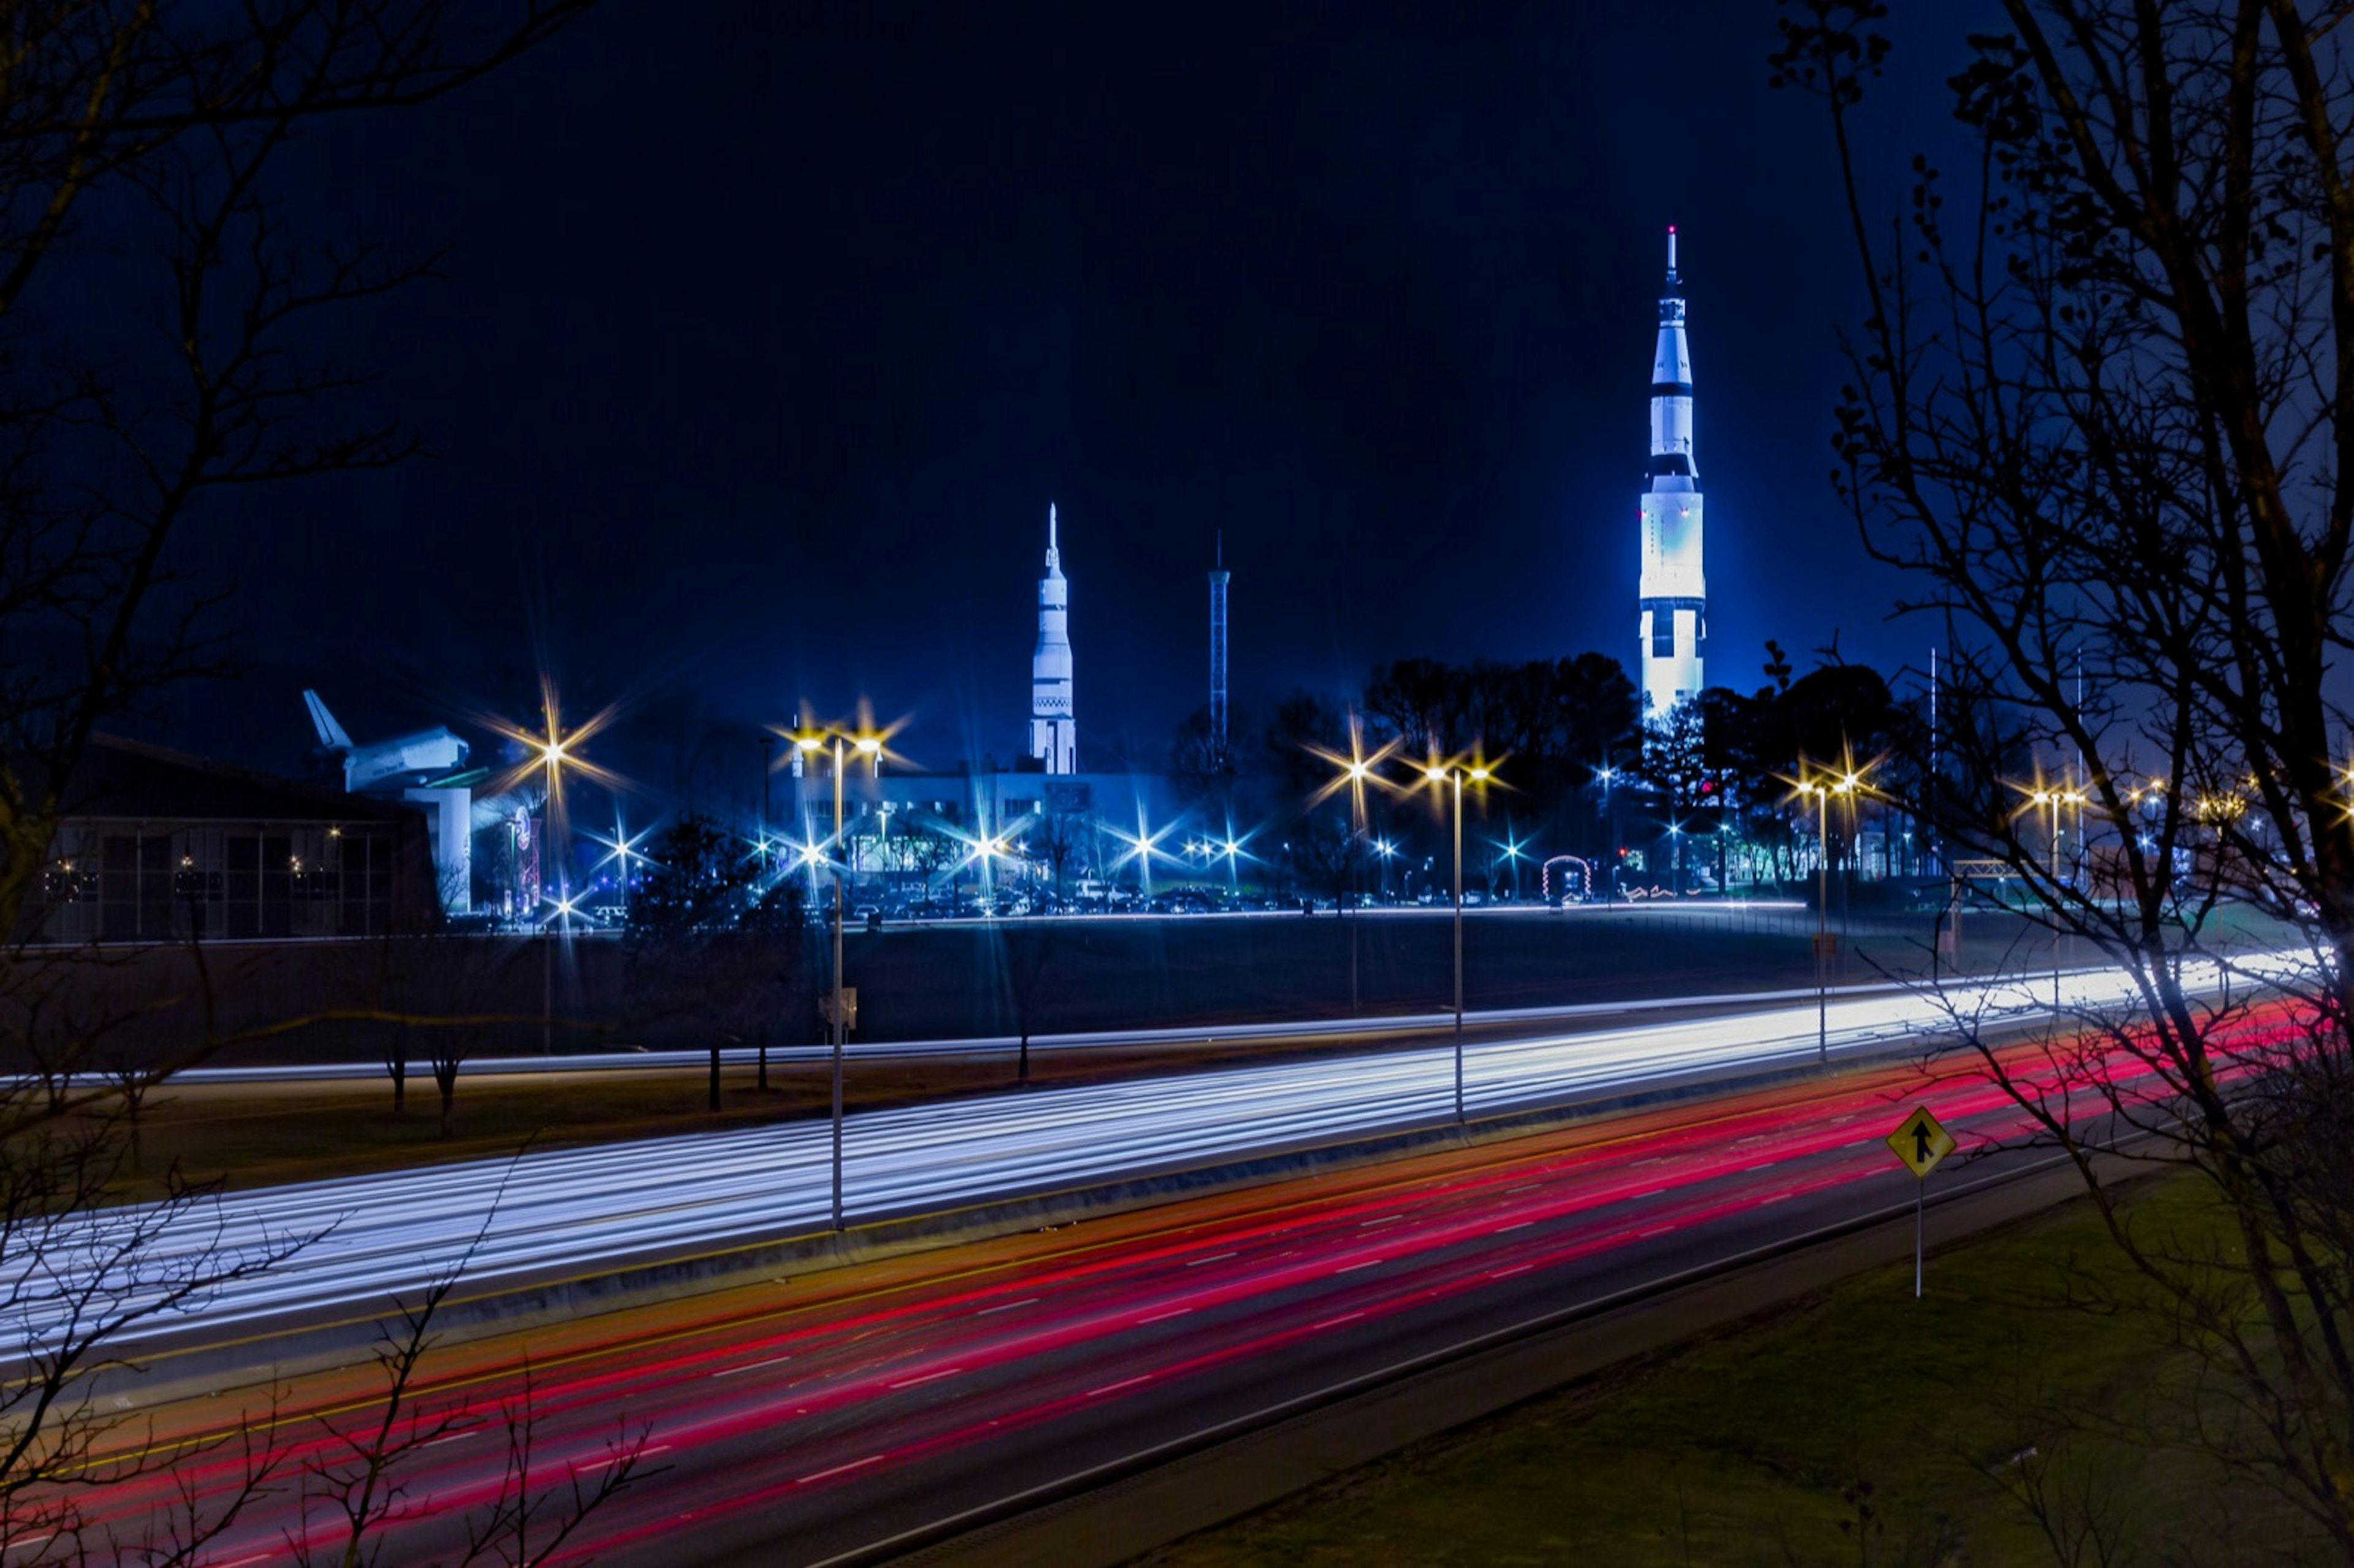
x=1053, y=733
x=1673, y=591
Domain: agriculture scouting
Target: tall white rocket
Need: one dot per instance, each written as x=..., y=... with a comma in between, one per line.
x=1673, y=591
x=1054, y=732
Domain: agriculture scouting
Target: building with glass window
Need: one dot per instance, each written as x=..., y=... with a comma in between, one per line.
x=159, y=846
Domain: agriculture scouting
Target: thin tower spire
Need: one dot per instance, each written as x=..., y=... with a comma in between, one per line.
x=1219, y=577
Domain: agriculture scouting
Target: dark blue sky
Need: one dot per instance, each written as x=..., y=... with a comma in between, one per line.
x=767, y=338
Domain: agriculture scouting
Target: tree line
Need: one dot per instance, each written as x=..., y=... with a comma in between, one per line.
x=1565, y=736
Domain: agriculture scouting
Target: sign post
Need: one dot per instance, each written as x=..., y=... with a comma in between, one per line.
x=1920, y=1141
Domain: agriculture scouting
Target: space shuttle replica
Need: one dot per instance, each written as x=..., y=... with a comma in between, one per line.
x=1673, y=589
x=422, y=767
x=403, y=760
x=1054, y=732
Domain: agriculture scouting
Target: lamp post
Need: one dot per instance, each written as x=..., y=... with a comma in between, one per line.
x=2052, y=800
x=838, y=1023
x=1822, y=914
x=1454, y=773
x=1358, y=773
x=552, y=758
x=1847, y=784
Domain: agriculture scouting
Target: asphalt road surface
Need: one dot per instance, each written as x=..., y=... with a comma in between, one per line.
x=806, y=1434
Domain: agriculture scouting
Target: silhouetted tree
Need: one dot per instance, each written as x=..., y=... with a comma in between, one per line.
x=163, y=126
x=2098, y=412
x=697, y=879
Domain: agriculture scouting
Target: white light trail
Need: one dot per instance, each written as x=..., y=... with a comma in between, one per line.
x=567, y=1211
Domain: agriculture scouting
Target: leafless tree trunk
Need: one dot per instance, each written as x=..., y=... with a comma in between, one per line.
x=357, y=1487
x=446, y=1058
x=165, y=120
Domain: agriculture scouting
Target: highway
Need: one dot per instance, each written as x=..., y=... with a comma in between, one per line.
x=816, y=1426
x=552, y=1214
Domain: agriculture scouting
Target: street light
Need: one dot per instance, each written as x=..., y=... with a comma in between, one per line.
x=1841, y=784
x=1849, y=784
x=622, y=848
x=1513, y=855
x=2052, y=800
x=838, y=1023
x=1822, y=914
x=553, y=760
x=1444, y=772
x=1359, y=770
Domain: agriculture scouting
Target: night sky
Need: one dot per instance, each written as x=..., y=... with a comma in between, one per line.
x=764, y=343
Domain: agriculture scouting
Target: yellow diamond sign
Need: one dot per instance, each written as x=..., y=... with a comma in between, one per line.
x=1921, y=1142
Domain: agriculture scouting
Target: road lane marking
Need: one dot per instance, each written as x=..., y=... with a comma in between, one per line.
x=1355, y=1266
x=1124, y=1383
x=838, y=1469
x=1776, y=1198
x=1768, y=1166
x=612, y=1459
x=1499, y=1230
x=1385, y=1220
x=1528, y=1186
x=453, y=1437
x=1164, y=1317
x=1335, y=1322
x=1508, y=1273
x=32, y=1541
x=944, y=1372
x=1652, y=1193
x=1654, y=1231
x=1007, y=1306
x=750, y=1366
x=1215, y=1257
